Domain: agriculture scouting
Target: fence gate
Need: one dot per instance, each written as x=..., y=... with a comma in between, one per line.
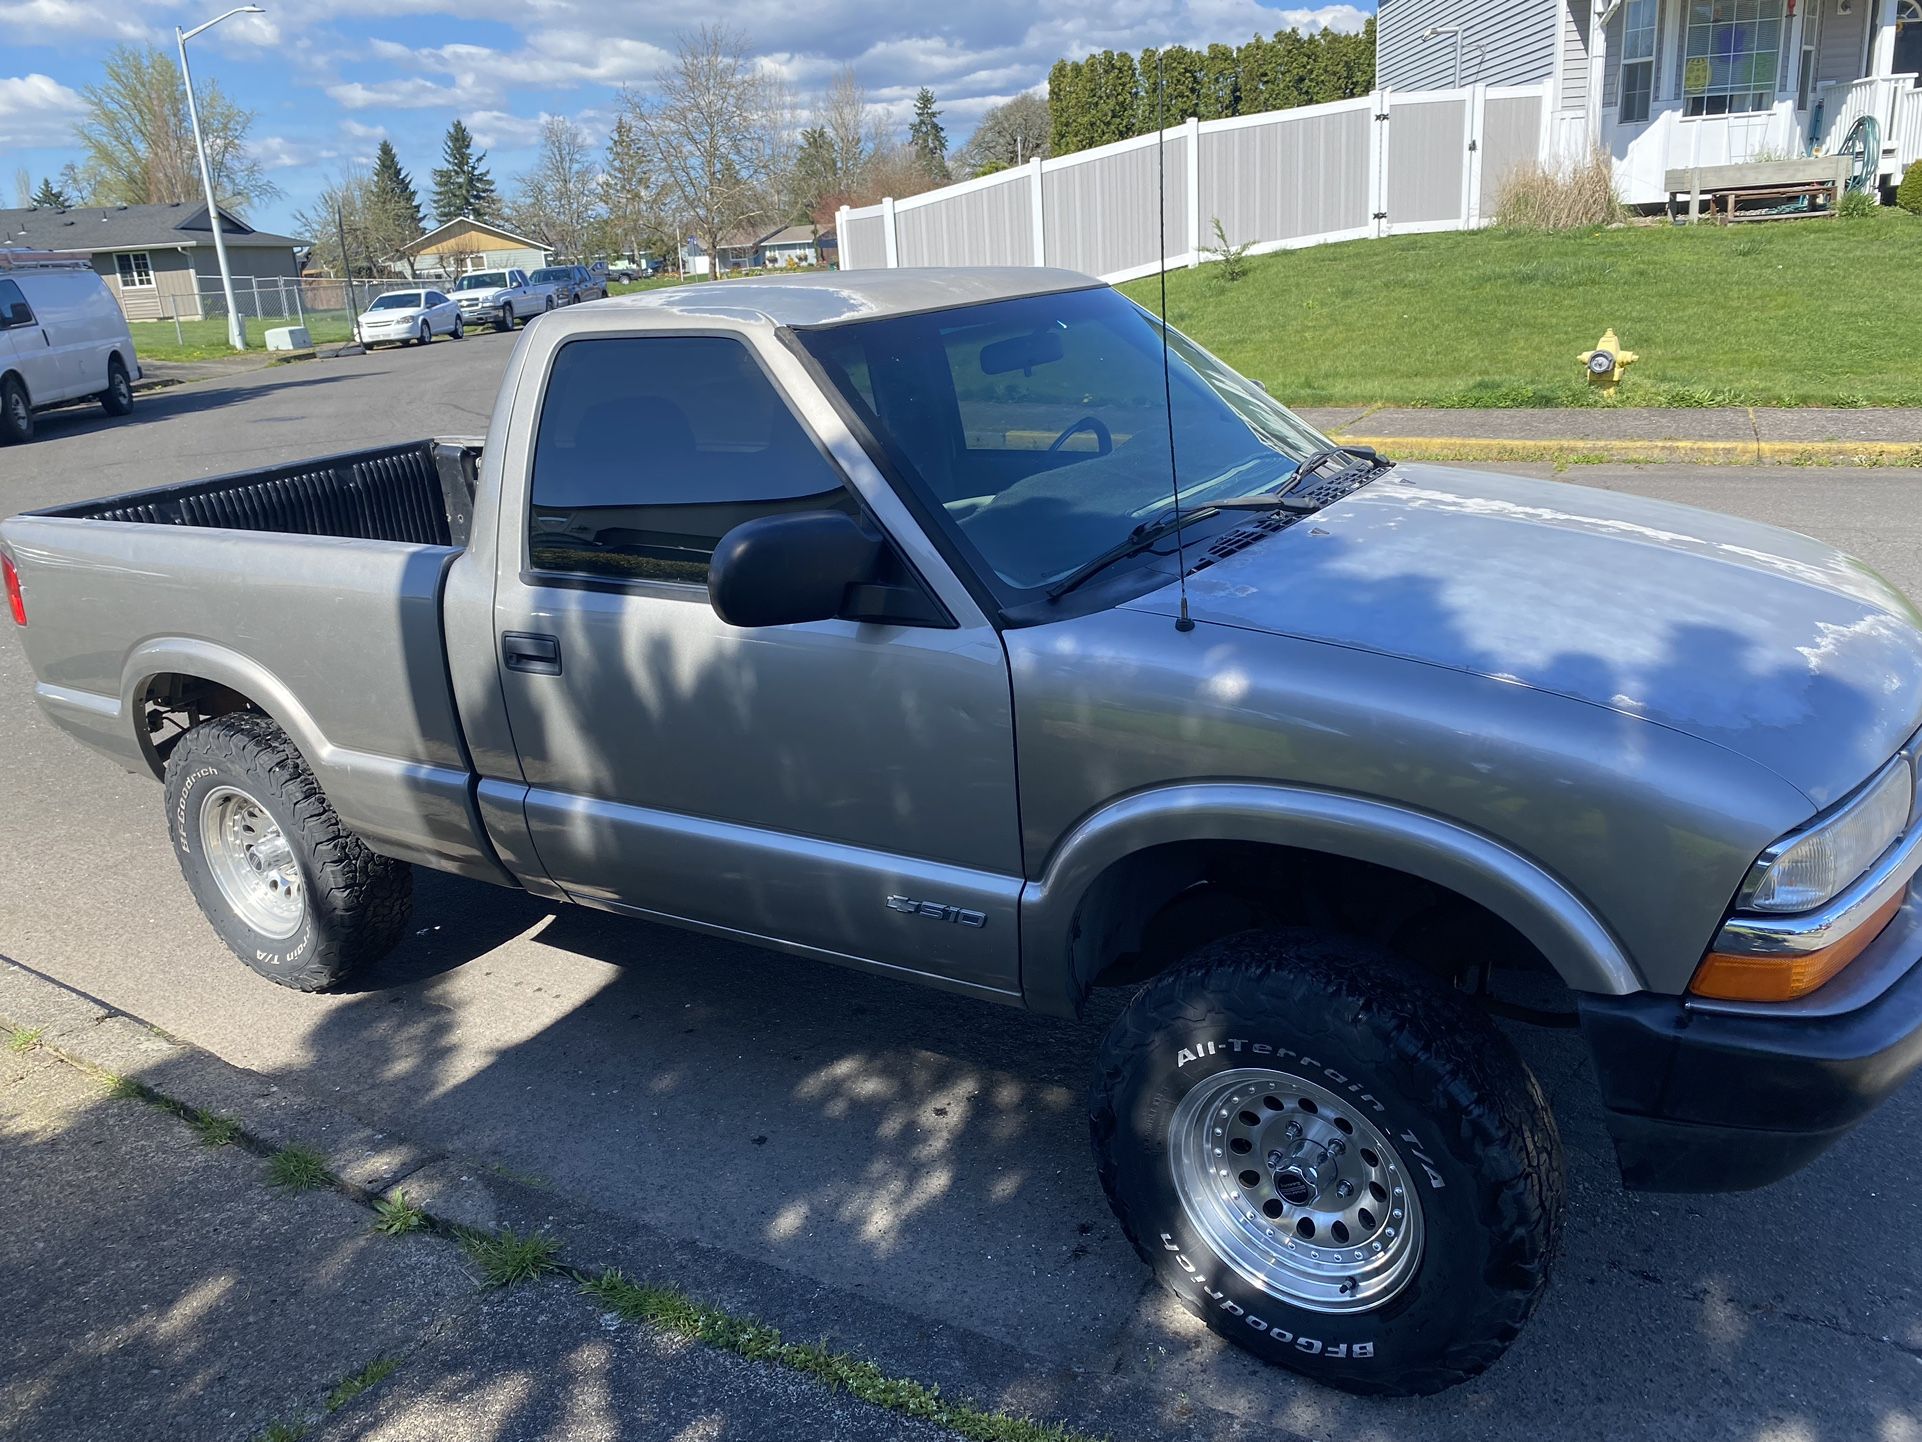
x=1426, y=161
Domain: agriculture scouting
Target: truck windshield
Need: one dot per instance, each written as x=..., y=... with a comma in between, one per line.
x=482, y=280
x=1036, y=429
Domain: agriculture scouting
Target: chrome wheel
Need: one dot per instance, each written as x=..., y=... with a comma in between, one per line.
x=252, y=862
x=1296, y=1189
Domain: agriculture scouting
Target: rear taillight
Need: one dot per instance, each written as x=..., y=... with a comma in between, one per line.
x=16, y=602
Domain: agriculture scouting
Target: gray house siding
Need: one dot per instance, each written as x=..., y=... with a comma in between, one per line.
x=1575, y=18
x=1504, y=42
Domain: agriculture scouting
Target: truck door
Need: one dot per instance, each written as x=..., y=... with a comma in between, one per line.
x=844, y=789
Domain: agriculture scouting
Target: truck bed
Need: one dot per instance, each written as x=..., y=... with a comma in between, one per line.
x=419, y=491
x=311, y=590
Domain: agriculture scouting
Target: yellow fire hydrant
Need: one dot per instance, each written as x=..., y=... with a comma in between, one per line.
x=1606, y=362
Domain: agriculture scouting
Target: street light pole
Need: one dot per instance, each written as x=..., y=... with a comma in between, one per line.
x=235, y=335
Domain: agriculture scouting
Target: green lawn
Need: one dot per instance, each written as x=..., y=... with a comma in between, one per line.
x=1813, y=312
x=207, y=339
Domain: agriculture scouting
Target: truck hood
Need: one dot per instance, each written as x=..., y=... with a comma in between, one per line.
x=1773, y=645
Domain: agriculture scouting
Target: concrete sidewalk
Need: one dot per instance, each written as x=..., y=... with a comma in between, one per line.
x=1730, y=436
x=153, y=1270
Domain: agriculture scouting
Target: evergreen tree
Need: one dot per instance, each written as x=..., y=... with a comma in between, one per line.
x=927, y=139
x=394, y=191
x=816, y=178
x=462, y=185
x=50, y=197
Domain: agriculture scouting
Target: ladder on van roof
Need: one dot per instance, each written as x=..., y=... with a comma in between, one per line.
x=20, y=257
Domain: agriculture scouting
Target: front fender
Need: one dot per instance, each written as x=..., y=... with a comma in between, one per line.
x=1553, y=918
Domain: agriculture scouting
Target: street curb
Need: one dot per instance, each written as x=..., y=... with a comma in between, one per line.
x=1577, y=452
x=463, y=1193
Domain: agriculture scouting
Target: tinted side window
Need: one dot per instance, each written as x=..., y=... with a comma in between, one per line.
x=10, y=297
x=651, y=449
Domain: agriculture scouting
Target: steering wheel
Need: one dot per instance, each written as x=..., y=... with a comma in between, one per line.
x=1103, y=437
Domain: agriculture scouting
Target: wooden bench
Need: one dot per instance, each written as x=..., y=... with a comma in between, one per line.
x=1818, y=179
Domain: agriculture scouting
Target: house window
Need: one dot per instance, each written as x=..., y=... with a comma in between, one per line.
x=1638, y=60
x=1730, y=56
x=136, y=270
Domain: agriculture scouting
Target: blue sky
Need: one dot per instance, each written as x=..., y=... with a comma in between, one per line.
x=328, y=81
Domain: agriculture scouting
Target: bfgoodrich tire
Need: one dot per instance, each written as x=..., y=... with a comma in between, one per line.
x=1336, y=1164
x=292, y=892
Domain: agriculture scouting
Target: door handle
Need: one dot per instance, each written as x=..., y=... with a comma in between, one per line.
x=535, y=655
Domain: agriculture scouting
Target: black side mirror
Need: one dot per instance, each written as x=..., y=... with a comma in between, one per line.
x=812, y=566
x=782, y=570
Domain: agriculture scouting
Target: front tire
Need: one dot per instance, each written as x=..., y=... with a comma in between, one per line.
x=293, y=893
x=16, y=414
x=117, y=398
x=1337, y=1164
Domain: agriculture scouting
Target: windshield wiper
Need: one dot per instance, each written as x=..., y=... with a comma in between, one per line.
x=1355, y=455
x=1133, y=544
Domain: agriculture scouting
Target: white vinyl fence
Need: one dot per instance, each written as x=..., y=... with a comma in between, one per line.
x=1384, y=164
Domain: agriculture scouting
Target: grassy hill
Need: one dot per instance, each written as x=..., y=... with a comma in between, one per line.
x=1806, y=312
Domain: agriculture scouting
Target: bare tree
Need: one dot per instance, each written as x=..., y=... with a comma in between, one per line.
x=856, y=131
x=23, y=187
x=344, y=203
x=713, y=135
x=139, y=144
x=559, y=199
x=1011, y=133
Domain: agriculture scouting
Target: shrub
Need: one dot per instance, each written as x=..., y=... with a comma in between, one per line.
x=1233, y=258
x=1575, y=197
x=1855, y=204
x=1908, y=194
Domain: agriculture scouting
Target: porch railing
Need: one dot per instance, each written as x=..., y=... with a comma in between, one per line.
x=1905, y=129
x=1891, y=99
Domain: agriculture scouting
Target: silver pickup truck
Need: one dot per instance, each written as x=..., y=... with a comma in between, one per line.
x=851, y=615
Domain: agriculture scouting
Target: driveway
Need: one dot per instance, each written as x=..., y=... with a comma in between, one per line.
x=881, y=1149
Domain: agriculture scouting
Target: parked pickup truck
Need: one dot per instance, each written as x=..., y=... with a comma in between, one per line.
x=853, y=617
x=501, y=297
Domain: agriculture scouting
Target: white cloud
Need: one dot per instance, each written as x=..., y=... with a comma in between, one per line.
x=37, y=110
x=38, y=20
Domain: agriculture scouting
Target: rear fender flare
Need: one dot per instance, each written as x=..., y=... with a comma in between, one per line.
x=224, y=667
x=1537, y=904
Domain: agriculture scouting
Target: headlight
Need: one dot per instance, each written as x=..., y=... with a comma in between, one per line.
x=1802, y=872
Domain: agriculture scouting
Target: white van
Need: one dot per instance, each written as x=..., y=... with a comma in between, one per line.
x=62, y=338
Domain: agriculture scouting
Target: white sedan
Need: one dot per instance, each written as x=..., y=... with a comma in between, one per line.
x=409, y=316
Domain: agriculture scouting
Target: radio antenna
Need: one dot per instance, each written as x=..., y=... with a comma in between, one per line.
x=1183, y=621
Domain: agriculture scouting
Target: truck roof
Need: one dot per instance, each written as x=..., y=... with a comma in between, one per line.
x=830, y=297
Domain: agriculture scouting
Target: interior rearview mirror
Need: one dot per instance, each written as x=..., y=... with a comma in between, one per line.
x=783, y=570
x=1022, y=352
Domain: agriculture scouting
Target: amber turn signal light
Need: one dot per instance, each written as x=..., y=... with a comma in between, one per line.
x=1728, y=977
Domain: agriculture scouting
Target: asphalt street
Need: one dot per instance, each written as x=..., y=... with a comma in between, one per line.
x=882, y=1150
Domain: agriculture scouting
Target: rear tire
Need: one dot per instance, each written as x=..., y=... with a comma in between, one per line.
x=16, y=414
x=117, y=398
x=1337, y=1164
x=293, y=892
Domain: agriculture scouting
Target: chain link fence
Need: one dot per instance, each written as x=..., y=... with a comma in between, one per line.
x=325, y=305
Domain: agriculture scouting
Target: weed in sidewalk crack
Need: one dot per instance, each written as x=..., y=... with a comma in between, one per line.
x=215, y=1130
x=124, y=1088
x=24, y=1039
x=283, y=1432
x=506, y=1257
x=396, y=1216
x=298, y=1169
x=673, y=1311
x=372, y=1375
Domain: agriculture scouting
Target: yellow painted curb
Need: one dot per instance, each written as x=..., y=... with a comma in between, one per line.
x=1599, y=452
